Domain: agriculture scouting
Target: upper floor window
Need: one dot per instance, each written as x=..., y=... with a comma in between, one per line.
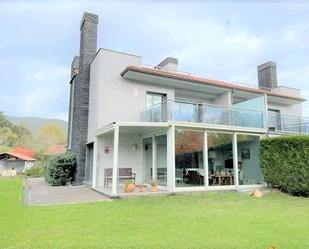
x=154, y=99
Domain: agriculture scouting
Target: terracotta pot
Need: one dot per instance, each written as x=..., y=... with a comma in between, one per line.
x=142, y=190
x=153, y=188
x=128, y=188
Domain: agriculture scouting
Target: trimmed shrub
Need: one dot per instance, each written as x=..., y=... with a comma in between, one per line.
x=60, y=169
x=285, y=163
x=36, y=171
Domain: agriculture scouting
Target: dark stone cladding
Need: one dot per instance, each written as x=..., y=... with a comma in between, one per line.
x=267, y=74
x=80, y=82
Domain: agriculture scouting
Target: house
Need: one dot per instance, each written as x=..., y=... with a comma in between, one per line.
x=56, y=150
x=128, y=121
x=15, y=161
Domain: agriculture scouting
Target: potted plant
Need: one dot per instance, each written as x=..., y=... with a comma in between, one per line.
x=154, y=186
x=128, y=186
x=141, y=188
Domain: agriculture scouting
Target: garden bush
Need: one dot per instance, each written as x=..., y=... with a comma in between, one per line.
x=60, y=169
x=285, y=163
x=35, y=171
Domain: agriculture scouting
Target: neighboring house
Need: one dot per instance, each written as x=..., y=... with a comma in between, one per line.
x=56, y=150
x=17, y=161
x=187, y=132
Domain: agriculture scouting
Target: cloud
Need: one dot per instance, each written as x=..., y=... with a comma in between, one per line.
x=43, y=93
x=216, y=40
x=208, y=47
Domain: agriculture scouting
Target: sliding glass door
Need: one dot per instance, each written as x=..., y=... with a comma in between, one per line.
x=189, y=156
x=249, y=170
x=156, y=105
x=155, y=160
x=220, y=159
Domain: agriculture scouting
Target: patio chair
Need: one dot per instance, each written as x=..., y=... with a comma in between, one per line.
x=179, y=175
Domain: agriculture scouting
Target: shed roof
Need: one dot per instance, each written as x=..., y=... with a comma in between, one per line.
x=4, y=156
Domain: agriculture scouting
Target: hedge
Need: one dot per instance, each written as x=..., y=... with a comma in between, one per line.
x=285, y=163
x=60, y=169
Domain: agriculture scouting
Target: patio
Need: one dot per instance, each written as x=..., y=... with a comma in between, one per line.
x=175, y=158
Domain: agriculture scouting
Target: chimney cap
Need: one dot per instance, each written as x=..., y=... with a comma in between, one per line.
x=266, y=65
x=89, y=17
x=168, y=60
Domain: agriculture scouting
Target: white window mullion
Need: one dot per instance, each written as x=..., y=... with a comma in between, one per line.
x=115, y=161
x=205, y=161
x=154, y=159
x=95, y=162
x=235, y=160
x=171, y=159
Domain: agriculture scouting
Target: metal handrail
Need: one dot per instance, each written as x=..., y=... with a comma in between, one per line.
x=199, y=103
x=286, y=115
x=166, y=112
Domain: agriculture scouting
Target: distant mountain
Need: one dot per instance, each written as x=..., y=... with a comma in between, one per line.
x=34, y=124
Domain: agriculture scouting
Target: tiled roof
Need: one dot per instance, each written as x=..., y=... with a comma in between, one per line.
x=56, y=149
x=19, y=156
x=200, y=80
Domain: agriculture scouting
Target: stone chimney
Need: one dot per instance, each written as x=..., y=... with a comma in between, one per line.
x=169, y=63
x=78, y=116
x=267, y=74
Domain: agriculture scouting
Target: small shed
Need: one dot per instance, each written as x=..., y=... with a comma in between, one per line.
x=16, y=161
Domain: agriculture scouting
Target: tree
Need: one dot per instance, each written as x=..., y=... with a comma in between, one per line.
x=13, y=135
x=51, y=134
x=7, y=136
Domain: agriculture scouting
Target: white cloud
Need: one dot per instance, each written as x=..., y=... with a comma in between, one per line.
x=216, y=40
x=208, y=46
x=43, y=93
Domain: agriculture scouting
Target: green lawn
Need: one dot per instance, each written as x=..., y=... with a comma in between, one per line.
x=209, y=220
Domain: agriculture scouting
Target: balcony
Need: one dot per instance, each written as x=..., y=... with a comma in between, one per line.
x=182, y=111
x=287, y=124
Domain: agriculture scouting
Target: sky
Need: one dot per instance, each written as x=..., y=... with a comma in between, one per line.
x=223, y=40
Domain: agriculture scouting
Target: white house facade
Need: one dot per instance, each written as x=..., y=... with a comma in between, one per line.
x=151, y=124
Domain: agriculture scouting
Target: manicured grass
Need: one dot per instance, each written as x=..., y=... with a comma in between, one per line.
x=209, y=220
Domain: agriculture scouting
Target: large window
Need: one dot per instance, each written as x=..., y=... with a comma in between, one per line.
x=189, y=170
x=220, y=159
x=147, y=168
x=155, y=104
x=155, y=160
x=161, y=160
x=249, y=170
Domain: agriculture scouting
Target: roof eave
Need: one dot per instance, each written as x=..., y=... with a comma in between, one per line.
x=217, y=83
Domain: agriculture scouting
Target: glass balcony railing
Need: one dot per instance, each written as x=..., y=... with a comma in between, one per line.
x=182, y=111
x=280, y=123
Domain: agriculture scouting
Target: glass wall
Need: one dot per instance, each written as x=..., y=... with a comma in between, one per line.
x=159, y=174
x=220, y=159
x=89, y=163
x=249, y=170
x=155, y=107
x=189, y=170
x=161, y=160
x=147, y=168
